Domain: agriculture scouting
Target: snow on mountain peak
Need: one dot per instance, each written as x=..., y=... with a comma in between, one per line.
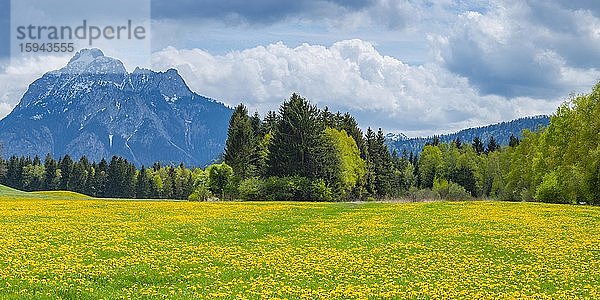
x=86, y=55
x=92, y=61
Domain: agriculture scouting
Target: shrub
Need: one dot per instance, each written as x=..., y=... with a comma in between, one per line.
x=200, y=193
x=449, y=190
x=319, y=191
x=251, y=189
x=296, y=188
x=415, y=194
x=548, y=190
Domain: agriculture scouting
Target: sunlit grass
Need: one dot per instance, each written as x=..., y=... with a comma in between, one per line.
x=120, y=249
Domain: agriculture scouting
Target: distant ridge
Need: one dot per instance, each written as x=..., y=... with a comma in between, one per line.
x=501, y=133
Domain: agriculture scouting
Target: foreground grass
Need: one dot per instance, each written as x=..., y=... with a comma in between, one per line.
x=51, y=248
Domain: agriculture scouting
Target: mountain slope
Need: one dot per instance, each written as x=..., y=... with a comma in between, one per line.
x=501, y=133
x=93, y=107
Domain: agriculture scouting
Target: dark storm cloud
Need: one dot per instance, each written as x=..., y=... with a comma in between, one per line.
x=257, y=11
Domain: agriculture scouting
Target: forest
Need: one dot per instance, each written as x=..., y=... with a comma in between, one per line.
x=304, y=153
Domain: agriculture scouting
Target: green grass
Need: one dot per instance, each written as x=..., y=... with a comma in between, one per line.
x=7, y=192
x=63, y=248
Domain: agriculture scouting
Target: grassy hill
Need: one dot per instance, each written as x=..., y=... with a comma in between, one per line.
x=8, y=193
x=59, y=248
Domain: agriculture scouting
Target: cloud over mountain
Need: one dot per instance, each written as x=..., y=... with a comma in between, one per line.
x=349, y=75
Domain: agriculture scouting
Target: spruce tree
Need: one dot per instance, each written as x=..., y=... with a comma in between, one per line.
x=257, y=125
x=514, y=141
x=297, y=141
x=478, y=145
x=370, y=154
x=3, y=165
x=143, y=185
x=492, y=145
x=383, y=166
x=270, y=122
x=100, y=178
x=78, y=178
x=241, y=144
x=66, y=169
x=50, y=166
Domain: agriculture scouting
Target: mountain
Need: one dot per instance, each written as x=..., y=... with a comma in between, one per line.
x=94, y=107
x=501, y=133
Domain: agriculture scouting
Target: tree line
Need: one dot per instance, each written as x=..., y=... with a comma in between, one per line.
x=302, y=152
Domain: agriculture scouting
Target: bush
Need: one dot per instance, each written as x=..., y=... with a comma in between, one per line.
x=319, y=191
x=296, y=188
x=449, y=190
x=415, y=194
x=549, y=190
x=251, y=189
x=200, y=193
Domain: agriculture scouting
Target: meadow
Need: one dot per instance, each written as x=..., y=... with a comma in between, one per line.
x=66, y=245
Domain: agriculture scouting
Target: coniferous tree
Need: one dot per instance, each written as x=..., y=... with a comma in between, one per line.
x=3, y=166
x=298, y=141
x=78, y=178
x=14, y=172
x=241, y=144
x=478, y=145
x=66, y=169
x=37, y=161
x=370, y=174
x=514, y=141
x=457, y=143
x=492, y=146
x=327, y=118
x=120, y=181
x=257, y=125
x=270, y=122
x=52, y=179
x=143, y=185
x=100, y=178
x=382, y=165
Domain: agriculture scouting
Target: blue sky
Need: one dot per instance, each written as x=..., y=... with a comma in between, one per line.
x=417, y=66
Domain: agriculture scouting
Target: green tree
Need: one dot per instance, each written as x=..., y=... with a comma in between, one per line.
x=100, y=178
x=143, y=188
x=297, y=142
x=66, y=169
x=352, y=167
x=51, y=181
x=3, y=165
x=219, y=177
x=478, y=145
x=492, y=146
x=121, y=176
x=79, y=176
x=514, y=141
x=33, y=177
x=241, y=144
x=430, y=162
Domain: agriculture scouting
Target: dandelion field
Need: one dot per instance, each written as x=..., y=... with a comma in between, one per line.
x=71, y=247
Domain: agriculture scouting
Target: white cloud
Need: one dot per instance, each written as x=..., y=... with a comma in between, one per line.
x=349, y=75
x=524, y=48
x=20, y=74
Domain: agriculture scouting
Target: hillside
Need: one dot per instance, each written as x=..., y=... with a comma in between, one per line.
x=501, y=133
